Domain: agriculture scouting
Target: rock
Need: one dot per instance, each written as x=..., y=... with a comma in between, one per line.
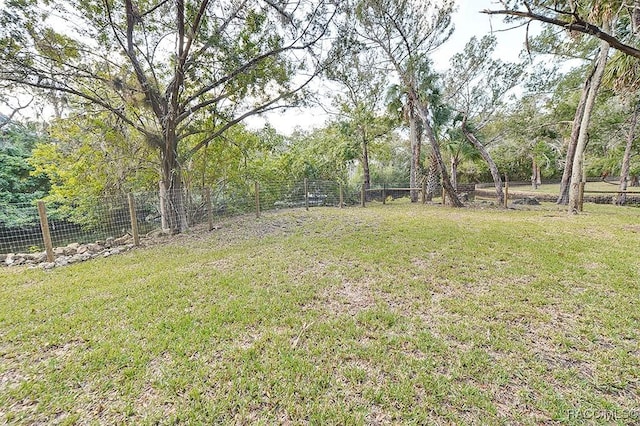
x=18, y=260
x=109, y=242
x=83, y=249
x=3, y=257
x=158, y=233
x=40, y=257
x=95, y=248
x=464, y=197
x=527, y=201
x=48, y=265
x=81, y=257
x=116, y=250
x=59, y=251
x=62, y=261
x=9, y=259
x=71, y=249
x=122, y=240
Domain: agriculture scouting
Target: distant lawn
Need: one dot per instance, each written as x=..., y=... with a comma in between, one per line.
x=589, y=186
x=390, y=314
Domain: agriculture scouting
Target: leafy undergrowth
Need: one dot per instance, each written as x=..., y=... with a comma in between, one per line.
x=390, y=314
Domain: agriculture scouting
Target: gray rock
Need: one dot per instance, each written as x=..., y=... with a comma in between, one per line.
x=83, y=249
x=80, y=257
x=527, y=201
x=59, y=251
x=95, y=248
x=9, y=259
x=122, y=240
x=62, y=261
x=48, y=265
x=71, y=249
x=18, y=260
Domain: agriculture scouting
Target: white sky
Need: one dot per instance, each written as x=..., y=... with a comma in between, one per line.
x=468, y=22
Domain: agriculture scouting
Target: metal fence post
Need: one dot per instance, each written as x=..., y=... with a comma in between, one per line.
x=306, y=194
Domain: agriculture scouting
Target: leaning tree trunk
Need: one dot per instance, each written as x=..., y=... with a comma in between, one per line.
x=493, y=168
x=563, y=198
x=626, y=158
x=435, y=149
x=415, y=152
x=454, y=172
x=433, y=181
x=576, y=171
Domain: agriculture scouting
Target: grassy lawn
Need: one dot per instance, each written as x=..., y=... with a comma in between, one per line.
x=609, y=186
x=390, y=314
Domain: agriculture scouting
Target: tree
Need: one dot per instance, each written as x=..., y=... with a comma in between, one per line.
x=580, y=17
x=407, y=31
x=360, y=102
x=476, y=86
x=180, y=73
x=18, y=187
x=597, y=19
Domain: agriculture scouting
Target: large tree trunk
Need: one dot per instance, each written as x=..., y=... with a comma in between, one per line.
x=454, y=172
x=415, y=152
x=452, y=195
x=576, y=171
x=563, y=198
x=433, y=181
x=493, y=168
x=176, y=218
x=536, y=175
x=626, y=158
x=365, y=164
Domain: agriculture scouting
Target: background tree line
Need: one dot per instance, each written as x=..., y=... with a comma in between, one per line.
x=153, y=95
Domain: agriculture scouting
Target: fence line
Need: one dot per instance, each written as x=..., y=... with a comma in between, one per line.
x=40, y=228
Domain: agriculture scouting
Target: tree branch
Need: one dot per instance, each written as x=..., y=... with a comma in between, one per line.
x=575, y=25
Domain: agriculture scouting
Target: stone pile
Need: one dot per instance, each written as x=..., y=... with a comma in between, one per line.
x=72, y=253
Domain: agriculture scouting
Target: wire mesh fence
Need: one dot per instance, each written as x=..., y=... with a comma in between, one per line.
x=100, y=221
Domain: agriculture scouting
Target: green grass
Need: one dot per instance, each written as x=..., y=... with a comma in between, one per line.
x=390, y=314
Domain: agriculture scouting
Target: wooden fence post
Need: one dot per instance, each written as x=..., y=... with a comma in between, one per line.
x=163, y=207
x=257, y=189
x=444, y=196
x=384, y=193
x=424, y=191
x=341, y=196
x=363, y=195
x=506, y=191
x=46, y=235
x=134, y=219
x=207, y=198
x=581, y=196
x=306, y=194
